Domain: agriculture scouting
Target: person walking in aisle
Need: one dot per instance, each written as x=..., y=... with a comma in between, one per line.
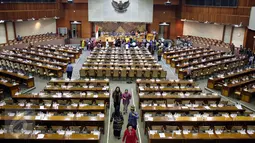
x=126, y=100
x=69, y=70
x=117, y=97
x=130, y=135
x=118, y=121
x=160, y=51
x=132, y=117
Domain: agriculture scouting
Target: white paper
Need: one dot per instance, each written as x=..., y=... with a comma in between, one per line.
x=162, y=135
x=40, y=136
x=152, y=132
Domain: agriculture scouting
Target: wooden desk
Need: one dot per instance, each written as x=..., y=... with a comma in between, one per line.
x=105, y=97
x=182, y=73
x=178, y=67
x=87, y=81
x=60, y=89
x=215, y=110
x=56, y=120
x=177, y=51
x=199, y=121
x=61, y=49
x=91, y=138
x=28, y=80
x=60, y=108
x=27, y=57
x=173, y=138
x=164, y=82
x=200, y=138
x=56, y=53
x=62, y=59
x=57, y=70
x=213, y=81
x=171, y=59
x=180, y=61
x=246, y=95
x=227, y=90
x=178, y=98
x=12, y=88
x=170, y=90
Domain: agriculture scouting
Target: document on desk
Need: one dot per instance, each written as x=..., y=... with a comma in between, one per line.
x=40, y=136
x=207, y=107
x=149, y=118
x=162, y=135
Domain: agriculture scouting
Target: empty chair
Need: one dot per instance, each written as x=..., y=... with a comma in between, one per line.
x=89, y=129
x=131, y=73
x=203, y=129
x=157, y=128
x=77, y=129
x=123, y=73
x=185, y=102
x=200, y=103
x=170, y=129
x=27, y=126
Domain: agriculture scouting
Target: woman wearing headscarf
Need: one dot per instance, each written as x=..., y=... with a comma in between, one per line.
x=118, y=121
x=126, y=100
x=117, y=97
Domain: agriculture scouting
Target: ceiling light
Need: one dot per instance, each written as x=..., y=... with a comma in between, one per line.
x=163, y=24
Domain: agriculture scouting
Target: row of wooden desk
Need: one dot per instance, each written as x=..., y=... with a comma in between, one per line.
x=28, y=80
x=50, y=138
x=170, y=59
x=173, y=51
x=182, y=66
x=118, y=72
x=58, y=72
x=36, y=59
x=201, y=138
x=175, y=62
x=229, y=89
x=214, y=67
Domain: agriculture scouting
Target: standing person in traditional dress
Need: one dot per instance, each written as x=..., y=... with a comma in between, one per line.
x=118, y=121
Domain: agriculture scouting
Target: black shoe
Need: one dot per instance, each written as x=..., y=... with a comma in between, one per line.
x=118, y=138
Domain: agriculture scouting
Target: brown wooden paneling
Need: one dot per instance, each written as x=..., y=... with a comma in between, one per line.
x=76, y=1
x=220, y=14
x=162, y=13
x=250, y=39
x=76, y=12
x=26, y=11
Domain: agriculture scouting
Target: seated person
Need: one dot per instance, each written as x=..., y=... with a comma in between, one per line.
x=19, y=38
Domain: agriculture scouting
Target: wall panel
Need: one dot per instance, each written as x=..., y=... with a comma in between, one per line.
x=27, y=28
x=2, y=34
x=198, y=29
x=10, y=31
x=219, y=14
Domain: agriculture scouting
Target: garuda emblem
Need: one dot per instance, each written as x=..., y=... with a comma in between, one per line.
x=120, y=6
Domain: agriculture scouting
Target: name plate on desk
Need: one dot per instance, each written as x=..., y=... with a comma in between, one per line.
x=40, y=136
x=162, y=135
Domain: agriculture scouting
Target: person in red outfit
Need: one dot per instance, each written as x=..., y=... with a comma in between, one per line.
x=130, y=135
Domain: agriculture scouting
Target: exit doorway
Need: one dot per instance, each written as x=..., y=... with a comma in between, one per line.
x=75, y=29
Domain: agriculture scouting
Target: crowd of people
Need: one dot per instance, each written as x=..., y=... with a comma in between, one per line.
x=130, y=135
